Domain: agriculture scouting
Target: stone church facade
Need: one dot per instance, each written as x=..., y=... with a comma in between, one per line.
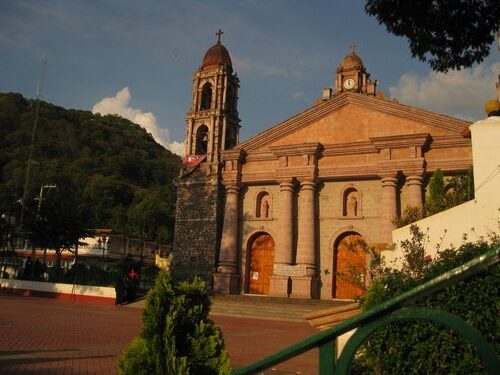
x=284, y=212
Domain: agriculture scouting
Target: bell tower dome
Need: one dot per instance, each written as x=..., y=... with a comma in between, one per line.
x=212, y=123
x=351, y=76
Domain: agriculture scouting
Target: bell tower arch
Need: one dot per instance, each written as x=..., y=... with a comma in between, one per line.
x=214, y=105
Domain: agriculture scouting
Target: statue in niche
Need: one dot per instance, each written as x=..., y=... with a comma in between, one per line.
x=352, y=205
x=265, y=208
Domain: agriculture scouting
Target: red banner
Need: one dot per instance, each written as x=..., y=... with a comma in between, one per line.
x=192, y=161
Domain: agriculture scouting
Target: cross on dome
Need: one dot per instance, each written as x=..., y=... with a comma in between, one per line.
x=352, y=47
x=219, y=33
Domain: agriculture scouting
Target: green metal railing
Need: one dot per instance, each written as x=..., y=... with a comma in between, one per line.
x=396, y=309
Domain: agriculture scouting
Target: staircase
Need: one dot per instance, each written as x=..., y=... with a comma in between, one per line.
x=272, y=308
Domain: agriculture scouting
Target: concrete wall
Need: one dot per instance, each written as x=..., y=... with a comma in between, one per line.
x=81, y=293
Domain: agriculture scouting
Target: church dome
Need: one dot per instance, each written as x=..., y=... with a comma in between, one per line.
x=352, y=61
x=216, y=55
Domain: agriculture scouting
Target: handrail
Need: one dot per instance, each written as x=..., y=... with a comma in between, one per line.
x=324, y=340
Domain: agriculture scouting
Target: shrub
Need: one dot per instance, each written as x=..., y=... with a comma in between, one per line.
x=409, y=216
x=177, y=337
x=422, y=347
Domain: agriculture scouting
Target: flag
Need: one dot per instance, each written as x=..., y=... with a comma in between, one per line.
x=192, y=161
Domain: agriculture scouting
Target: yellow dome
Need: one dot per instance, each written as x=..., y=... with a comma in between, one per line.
x=492, y=106
x=352, y=61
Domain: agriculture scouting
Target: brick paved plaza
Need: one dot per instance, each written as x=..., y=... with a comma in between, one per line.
x=47, y=336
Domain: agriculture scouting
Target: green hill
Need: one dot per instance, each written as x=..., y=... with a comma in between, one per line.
x=114, y=167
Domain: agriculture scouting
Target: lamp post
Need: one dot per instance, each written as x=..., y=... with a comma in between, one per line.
x=101, y=244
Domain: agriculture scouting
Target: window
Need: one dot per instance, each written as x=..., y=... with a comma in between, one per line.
x=206, y=97
x=201, y=140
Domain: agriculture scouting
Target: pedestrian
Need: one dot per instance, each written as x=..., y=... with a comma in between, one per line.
x=28, y=268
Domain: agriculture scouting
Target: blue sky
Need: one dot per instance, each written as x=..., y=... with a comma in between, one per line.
x=136, y=58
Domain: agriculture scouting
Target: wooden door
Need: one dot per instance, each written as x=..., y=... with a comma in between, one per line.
x=261, y=264
x=350, y=267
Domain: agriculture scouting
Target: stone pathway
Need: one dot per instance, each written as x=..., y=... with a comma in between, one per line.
x=47, y=336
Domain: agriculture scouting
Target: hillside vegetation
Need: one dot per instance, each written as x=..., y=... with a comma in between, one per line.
x=119, y=177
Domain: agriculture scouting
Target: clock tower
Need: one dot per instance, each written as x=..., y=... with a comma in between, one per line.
x=351, y=76
x=212, y=125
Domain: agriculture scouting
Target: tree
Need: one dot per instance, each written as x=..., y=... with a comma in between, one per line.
x=437, y=193
x=61, y=219
x=449, y=34
x=177, y=337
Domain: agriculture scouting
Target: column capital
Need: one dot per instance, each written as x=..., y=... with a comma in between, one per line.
x=312, y=182
x=390, y=180
x=414, y=180
x=287, y=184
x=232, y=187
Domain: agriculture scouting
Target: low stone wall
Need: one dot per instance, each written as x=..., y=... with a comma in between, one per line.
x=76, y=293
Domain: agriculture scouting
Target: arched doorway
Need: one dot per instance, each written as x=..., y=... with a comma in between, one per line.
x=349, y=263
x=261, y=263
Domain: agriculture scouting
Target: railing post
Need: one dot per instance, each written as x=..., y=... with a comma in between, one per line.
x=327, y=358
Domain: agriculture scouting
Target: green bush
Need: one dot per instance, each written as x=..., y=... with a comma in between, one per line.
x=177, y=337
x=426, y=348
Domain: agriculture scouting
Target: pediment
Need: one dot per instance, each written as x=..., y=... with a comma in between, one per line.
x=350, y=119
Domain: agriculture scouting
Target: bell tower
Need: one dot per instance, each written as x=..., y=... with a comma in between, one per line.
x=212, y=125
x=351, y=76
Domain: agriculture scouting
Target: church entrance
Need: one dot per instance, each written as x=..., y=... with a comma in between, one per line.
x=349, y=263
x=261, y=264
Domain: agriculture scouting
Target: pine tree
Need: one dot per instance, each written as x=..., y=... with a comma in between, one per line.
x=177, y=337
x=437, y=193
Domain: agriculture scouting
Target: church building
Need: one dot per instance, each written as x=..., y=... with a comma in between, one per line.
x=285, y=213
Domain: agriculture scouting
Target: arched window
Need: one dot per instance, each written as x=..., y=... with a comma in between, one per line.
x=263, y=205
x=201, y=140
x=351, y=205
x=206, y=97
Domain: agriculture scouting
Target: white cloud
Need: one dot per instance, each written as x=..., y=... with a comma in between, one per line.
x=458, y=93
x=120, y=105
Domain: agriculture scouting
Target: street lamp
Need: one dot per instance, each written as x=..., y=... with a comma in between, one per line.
x=101, y=244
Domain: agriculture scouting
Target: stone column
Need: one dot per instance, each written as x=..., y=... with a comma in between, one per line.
x=414, y=183
x=304, y=286
x=389, y=207
x=284, y=249
x=226, y=278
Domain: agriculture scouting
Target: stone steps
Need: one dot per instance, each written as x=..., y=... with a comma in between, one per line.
x=263, y=307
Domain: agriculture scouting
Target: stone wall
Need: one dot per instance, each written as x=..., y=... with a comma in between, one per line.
x=198, y=226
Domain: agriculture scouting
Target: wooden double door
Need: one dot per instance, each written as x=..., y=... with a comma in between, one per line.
x=349, y=264
x=261, y=264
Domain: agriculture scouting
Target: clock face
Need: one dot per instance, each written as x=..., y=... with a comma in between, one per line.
x=349, y=83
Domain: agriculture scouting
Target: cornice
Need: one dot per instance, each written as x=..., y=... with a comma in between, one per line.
x=297, y=149
x=233, y=154
x=443, y=141
x=348, y=171
x=449, y=165
x=265, y=155
x=327, y=107
x=395, y=141
x=351, y=148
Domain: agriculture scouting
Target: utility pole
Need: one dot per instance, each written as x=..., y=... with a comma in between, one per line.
x=33, y=134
